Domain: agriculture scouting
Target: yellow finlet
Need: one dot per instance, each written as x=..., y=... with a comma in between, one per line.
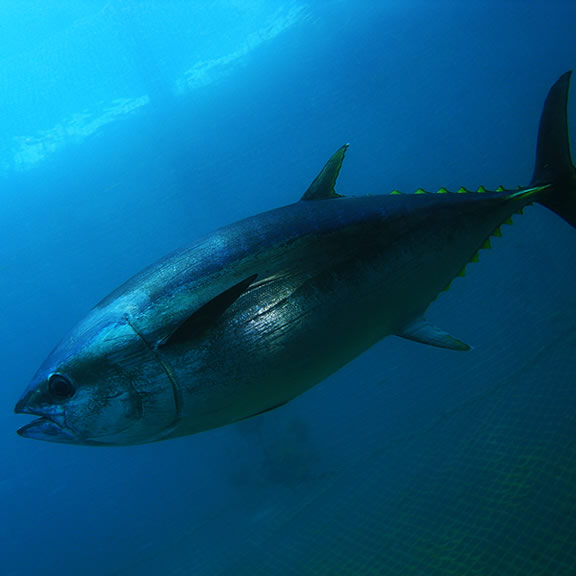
x=442, y=191
x=395, y=192
x=528, y=194
x=420, y=191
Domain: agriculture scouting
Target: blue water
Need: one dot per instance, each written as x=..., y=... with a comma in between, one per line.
x=129, y=128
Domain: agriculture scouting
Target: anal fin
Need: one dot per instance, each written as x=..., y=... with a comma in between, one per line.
x=420, y=330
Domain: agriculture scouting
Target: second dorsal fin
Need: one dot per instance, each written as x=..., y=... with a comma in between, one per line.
x=323, y=186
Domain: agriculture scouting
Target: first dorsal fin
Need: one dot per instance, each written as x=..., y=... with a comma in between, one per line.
x=200, y=320
x=323, y=186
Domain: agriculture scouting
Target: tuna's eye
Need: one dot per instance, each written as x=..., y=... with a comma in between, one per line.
x=60, y=387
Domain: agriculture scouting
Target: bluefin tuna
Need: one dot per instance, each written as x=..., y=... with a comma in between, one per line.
x=256, y=313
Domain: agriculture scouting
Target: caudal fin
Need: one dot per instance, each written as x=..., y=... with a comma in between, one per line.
x=554, y=164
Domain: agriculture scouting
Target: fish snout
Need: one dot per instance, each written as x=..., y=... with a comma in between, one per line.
x=50, y=426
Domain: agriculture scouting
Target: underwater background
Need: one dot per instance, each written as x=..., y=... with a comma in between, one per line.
x=129, y=128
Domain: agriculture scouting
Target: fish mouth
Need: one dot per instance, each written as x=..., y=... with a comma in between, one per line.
x=49, y=427
x=40, y=427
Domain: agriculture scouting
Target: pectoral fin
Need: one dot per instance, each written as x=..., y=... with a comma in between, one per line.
x=202, y=318
x=420, y=330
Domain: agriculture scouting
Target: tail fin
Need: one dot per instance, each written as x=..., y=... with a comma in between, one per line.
x=553, y=159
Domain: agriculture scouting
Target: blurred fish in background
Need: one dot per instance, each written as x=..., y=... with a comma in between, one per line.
x=286, y=453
